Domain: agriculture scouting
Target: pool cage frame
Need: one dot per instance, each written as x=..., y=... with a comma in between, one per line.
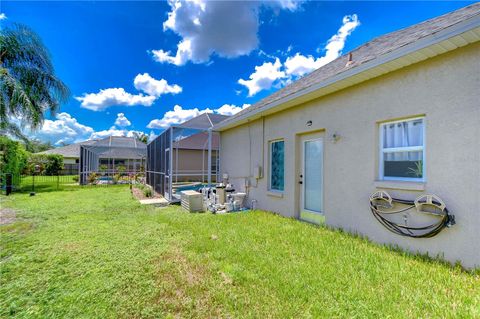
x=92, y=155
x=164, y=155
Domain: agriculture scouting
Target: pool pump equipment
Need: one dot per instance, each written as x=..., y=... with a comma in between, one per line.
x=221, y=198
x=387, y=211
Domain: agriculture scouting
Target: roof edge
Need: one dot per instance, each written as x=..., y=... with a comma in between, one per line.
x=294, y=99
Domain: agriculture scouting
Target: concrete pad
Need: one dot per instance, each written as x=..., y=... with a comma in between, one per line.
x=154, y=201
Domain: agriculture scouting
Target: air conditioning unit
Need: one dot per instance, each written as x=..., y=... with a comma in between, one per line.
x=192, y=201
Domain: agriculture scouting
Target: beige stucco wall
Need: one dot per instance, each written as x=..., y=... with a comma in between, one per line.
x=192, y=161
x=445, y=89
x=67, y=160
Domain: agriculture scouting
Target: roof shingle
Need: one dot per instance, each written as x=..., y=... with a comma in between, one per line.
x=365, y=53
x=112, y=146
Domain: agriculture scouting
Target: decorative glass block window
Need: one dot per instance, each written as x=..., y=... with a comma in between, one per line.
x=402, y=155
x=277, y=158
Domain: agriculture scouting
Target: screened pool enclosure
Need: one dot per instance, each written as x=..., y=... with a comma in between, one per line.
x=184, y=156
x=112, y=160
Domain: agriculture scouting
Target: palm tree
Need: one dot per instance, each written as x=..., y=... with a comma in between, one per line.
x=28, y=85
x=140, y=136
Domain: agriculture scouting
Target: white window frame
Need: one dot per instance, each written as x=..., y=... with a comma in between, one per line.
x=382, y=151
x=270, y=143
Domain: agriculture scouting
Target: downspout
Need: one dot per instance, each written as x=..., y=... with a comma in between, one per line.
x=263, y=143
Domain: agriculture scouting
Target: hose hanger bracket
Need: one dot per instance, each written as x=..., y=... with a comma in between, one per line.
x=382, y=205
x=423, y=202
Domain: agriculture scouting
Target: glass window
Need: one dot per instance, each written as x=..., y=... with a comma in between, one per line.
x=402, y=150
x=277, y=157
x=313, y=175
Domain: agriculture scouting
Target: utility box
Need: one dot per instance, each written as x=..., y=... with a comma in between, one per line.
x=192, y=201
x=258, y=172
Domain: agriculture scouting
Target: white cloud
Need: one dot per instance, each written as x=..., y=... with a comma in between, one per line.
x=299, y=64
x=113, y=96
x=263, y=77
x=152, y=136
x=3, y=16
x=144, y=82
x=64, y=129
x=176, y=116
x=179, y=115
x=119, y=97
x=122, y=120
x=224, y=28
x=269, y=74
x=230, y=109
x=112, y=131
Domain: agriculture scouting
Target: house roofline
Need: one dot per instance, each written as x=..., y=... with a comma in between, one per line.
x=313, y=92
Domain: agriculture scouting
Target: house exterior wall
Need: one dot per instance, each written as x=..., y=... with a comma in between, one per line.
x=192, y=161
x=445, y=89
x=70, y=165
x=70, y=160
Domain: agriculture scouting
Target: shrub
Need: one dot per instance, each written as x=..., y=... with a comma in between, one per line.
x=75, y=178
x=13, y=156
x=92, y=178
x=147, y=191
x=121, y=169
x=49, y=164
x=54, y=164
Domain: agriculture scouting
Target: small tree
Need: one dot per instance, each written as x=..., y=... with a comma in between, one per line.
x=13, y=157
x=37, y=146
x=54, y=164
x=140, y=136
x=50, y=164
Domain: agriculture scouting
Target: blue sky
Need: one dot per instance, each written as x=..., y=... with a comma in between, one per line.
x=160, y=63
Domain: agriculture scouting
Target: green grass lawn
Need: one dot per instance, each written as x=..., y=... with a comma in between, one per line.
x=96, y=253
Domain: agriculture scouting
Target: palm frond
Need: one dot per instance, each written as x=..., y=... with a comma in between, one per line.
x=28, y=84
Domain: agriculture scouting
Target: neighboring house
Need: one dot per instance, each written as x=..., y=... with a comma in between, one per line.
x=113, y=151
x=188, y=160
x=400, y=113
x=71, y=155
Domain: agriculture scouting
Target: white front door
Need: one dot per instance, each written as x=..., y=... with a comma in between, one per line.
x=311, y=178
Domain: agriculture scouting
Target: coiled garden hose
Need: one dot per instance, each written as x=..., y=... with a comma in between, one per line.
x=382, y=200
